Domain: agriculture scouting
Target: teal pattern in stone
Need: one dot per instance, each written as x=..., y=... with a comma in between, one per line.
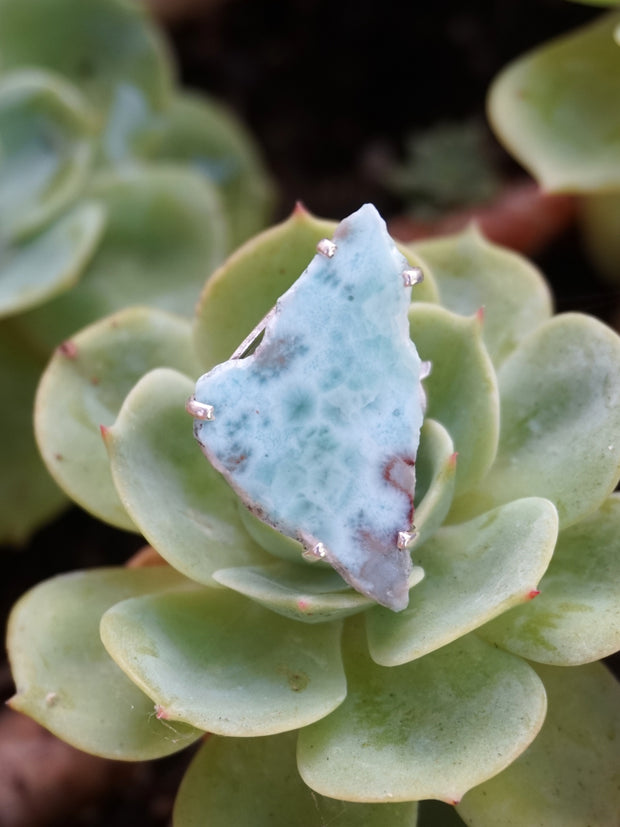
x=317, y=429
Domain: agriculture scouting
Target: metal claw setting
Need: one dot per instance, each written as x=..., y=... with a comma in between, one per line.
x=413, y=276
x=199, y=410
x=315, y=552
x=326, y=248
x=405, y=539
x=425, y=369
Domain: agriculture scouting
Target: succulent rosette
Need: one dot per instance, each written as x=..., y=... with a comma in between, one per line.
x=555, y=109
x=111, y=178
x=478, y=701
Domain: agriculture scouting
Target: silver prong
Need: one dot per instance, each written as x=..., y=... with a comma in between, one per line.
x=425, y=369
x=405, y=539
x=315, y=552
x=326, y=248
x=412, y=276
x=249, y=343
x=199, y=410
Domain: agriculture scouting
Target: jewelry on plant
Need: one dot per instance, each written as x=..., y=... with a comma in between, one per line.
x=199, y=410
x=405, y=539
x=326, y=248
x=413, y=276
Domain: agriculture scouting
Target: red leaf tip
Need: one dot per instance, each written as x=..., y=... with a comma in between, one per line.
x=68, y=349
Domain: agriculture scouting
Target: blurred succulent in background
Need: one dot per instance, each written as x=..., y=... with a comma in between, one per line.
x=447, y=166
x=116, y=188
x=481, y=702
x=556, y=110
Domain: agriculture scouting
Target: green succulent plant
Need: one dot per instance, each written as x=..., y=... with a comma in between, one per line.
x=555, y=109
x=481, y=702
x=111, y=179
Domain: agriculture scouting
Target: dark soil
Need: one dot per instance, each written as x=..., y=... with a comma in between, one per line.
x=326, y=88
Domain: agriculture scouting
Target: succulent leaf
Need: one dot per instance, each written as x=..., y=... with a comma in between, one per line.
x=203, y=134
x=474, y=571
x=261, y=271
x=432, y=728
x=50, y=262
x=181, y=504
x=570, y=775
x=308, y=593
x=66, y=680
x=435, y=475
x=47, y=149
x=576, y=618
x=100, y=46
x=28, y=495
x=277, y=544
x=224, y=664
x=84, y=387
x=472, y=274
x=560, y=402
x=254, y=781
x=460, y=369
x=163, y=237
x=556, y=111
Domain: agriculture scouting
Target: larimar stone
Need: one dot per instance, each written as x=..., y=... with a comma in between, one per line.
x=317, y=428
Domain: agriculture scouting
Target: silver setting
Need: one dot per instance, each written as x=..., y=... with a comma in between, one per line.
x=425, y=369
x=199, y=410
x=326, y=248
x=254, y=338
x=406, y=538
x=412, y=276
x=315, y=552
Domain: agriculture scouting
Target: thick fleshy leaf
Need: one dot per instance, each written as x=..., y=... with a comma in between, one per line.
x=28, y=495
x=203, y=133
x=163, y=237
x=277, y=544
x=474, y=571
x=576, y=618
x=570, y=775
x=600, y=225
x=556, y=109
x=255, y=781
x=462, y=390
x=260, y=272
x=433, y=728
x=224, y=664
x=335, y=370
x=560, y=432
x=66, y=680
x=47, y=148
x=435, y=470
x=181, y=504
x=102, y=46
x=83, y=388
x=51, y=262
x=473, y=274
x=306, y=593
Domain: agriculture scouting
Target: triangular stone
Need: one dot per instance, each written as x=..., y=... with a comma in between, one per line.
x=318, y=428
